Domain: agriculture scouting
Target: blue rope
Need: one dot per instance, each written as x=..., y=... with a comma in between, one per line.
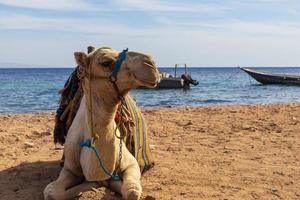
x=118, y=63
x=85, y=143
x=88, y=143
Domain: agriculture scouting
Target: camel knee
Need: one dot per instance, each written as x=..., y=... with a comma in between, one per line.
x=56, y=190
x=53, y=191
x=131, y=190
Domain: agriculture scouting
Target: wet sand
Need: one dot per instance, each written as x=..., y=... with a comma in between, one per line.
x=216, y=152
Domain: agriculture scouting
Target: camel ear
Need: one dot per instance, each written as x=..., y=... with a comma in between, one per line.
x=90, y=49
x=81, y=59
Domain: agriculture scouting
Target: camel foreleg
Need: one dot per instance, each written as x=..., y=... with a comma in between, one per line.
x=56, y=190
x=131, y=187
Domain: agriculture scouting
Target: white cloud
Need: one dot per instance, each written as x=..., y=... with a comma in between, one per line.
x=266, y=28
x=236, y=26
x=10, y=21
x=49, y=4
x=144, y=5
x=159, y=5
x=167, y=27
x=200, y=43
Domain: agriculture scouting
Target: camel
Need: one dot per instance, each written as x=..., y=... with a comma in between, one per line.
x=103, y=86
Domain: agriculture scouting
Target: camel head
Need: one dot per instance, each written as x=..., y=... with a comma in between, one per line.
x=137, y=69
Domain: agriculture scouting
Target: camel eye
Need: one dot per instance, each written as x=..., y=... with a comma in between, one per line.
x=107, y=63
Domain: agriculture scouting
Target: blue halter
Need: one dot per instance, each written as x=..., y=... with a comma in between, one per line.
x=118, y=64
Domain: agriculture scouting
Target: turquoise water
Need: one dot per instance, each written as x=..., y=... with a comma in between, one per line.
x=31, y=90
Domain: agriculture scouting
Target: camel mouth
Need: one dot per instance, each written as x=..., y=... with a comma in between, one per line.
x=152, y=83
x=149, y=84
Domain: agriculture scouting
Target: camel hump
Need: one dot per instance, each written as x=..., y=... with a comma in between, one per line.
x=70, y=99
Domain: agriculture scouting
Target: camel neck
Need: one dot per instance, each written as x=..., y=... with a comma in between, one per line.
x=103, y=116
x=104, y=126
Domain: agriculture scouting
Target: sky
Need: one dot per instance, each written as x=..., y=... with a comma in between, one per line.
x=202, y=33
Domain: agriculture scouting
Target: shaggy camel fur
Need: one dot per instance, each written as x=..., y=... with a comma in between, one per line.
x=81, y=169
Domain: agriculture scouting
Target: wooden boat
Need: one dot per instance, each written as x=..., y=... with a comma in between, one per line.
x=272, y=78
x=169, y=81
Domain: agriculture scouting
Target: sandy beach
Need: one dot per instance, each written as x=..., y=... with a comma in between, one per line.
x=214, y=152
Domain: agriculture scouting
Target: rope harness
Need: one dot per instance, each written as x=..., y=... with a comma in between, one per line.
x=90, y=143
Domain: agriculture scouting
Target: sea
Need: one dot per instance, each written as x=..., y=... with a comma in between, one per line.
x=25, y=90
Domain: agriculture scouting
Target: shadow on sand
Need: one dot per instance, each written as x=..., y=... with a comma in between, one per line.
x=28, y=180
